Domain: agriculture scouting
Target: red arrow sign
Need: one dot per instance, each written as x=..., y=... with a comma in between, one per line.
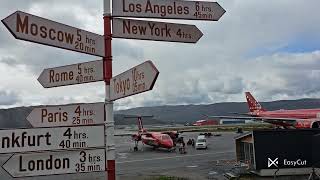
x=168, y=9
x=32, y=28
x=67, y=115
x=72, y=74
x=53, y=163
x=136, y=80
x=44, y=139
x=157, y=31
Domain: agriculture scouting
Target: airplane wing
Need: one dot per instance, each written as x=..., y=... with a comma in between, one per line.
x=264, y=119
x=124, y=134
x=242, y=114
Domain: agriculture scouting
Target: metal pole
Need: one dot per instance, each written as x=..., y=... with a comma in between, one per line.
x=107, y=66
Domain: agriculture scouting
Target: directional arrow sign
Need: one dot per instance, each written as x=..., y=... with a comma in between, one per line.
x=136, y=80
x=49, y=163
x=158, y=31
x=168, y=9
x=67, y=115
x=72, y=74
x=42, y=139
x=39, y=30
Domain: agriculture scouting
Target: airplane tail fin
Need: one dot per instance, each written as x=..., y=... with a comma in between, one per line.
x=140, y=125
x=253, y=104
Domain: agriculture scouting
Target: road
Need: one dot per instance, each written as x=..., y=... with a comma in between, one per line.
x=196, y=164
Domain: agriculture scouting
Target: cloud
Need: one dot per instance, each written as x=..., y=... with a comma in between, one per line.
x=123, y=49
x=274, y=77
x=8, y=98
x=82, y=15
x=9, y=61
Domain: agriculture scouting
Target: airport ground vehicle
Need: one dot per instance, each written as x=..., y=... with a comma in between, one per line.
x=207, y=134
x=155, y=139
x=201, y=142
x=297, y=118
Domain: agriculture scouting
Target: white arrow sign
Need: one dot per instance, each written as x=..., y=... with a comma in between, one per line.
x=168, y=9
x=32, y=28
x=136, y=80
x=158, y=31
x=42, y=139
x=72, y=74
x=53, y=163
x=67, y=115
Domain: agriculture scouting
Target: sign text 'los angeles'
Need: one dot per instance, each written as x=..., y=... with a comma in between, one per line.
x=168, y=9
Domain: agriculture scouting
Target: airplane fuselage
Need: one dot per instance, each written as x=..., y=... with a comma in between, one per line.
x=297, y=118
x=295, y=114
x=157, y=140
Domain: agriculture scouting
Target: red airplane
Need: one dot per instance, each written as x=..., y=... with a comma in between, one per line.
x=298, y=118
x=205, y=122
x=155, y=139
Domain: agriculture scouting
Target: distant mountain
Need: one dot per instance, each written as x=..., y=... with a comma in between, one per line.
x=121, y=120
x=16, y=117
x=191, y=113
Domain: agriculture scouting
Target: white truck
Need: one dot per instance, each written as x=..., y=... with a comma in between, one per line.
x=201, y=142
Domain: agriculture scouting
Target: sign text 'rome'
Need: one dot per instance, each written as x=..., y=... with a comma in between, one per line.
x=72, y=74
x=49, y=163
x=67, y=115
x=43, y=139
x=158, y=31
x=168, y=9
x=36, y=29
x=136, y=80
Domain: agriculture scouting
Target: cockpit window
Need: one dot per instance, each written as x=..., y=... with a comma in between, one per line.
x=165, y=137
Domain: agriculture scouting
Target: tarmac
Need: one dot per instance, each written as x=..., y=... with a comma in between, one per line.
x=147, y=162
x=195, y=164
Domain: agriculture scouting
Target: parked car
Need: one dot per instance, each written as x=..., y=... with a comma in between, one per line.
x=207, y=134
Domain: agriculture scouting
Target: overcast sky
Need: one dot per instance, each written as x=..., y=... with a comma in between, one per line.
x=270, y=48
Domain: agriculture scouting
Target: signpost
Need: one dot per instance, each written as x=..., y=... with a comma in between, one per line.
x=72, y=74
x=136, y=80
x=42, y=139
x=67, y=115
x=49, y=163
x=36, y=29
x=168, y=9
x=158, y=31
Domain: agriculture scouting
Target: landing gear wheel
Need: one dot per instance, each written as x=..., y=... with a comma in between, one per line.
x=135, y=146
